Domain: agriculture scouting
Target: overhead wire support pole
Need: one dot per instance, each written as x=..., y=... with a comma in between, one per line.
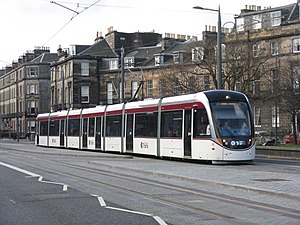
x=219, y=43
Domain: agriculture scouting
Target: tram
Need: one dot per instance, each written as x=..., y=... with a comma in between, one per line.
x=215, y=125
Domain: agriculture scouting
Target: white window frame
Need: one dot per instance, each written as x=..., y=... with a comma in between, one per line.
x=31, y=104
x=256, y=50
x=176, y=57
x=296, y=45
x=32, y=71
x=240, y=24
x=113, y=64
x=149, y=88
x=197, y=54
x=109, y=93
x=275, y=18
x=31, y=126
x=158, y=60
x=256, y=21
x=85, y=94
x=257, y=116
x=31, y=89
x=129, y=62
x=85, y=69
x=134, y=87
x=274, y=48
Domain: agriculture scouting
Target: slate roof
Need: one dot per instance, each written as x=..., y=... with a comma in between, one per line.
x=46, y=57
x=100, y=48
x=289, y=13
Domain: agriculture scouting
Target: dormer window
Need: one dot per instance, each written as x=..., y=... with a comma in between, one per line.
x=159, y=60
x=256, y=21
x=129, y=62
x=110, y=64
x=197, y=54
x=178, y=57
x=275, y=18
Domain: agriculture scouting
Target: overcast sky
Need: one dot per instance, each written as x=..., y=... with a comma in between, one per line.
x=29, y=23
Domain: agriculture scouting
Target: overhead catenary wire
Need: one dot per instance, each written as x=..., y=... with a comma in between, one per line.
x=76, y=13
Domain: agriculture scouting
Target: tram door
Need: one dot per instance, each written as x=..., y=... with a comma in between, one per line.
x=84, y=132
x=187, y=132
x=129, y=133
x=98, y=132
x=62, y=131
x=37, y=133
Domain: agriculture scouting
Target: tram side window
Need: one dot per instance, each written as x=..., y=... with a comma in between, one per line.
x=44, y=128
x=113, y=126
x=73, y=127
x=91, y=127
x=201, y=124
x=54, y=128
x=146, y=125
x=171, y=124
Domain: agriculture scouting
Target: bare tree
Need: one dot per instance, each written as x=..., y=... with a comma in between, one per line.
x=288, y=88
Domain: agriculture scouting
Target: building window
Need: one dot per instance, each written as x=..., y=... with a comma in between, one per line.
x=113, y=64
x=85, y=69
x=240, y=24
x=31, y=126
x=178, y=57
x=159, y=59
x=31, y=72
x=275, y=18
x=257, y=116
x=32, y=89
x=129, y=62
x=296, y=79
x=32, y=107
x=274, y=77
x=85, y=93
x=275, y=116
x=296, y=45
x=274, y=48
x=134, y=87
x=149, y=88
x=197, y=54
x=256, y=24
x=109, y=93
x=256, y=50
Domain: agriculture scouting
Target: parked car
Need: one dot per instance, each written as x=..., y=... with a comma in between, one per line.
x=289, y=139
x=261, y=137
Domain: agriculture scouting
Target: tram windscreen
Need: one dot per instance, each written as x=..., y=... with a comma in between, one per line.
x=232, y=123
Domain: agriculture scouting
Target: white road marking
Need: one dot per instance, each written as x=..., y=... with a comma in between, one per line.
x=103, y=204
x=30, y=174
x=20, y=170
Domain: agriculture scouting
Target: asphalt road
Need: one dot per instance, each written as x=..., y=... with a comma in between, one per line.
x=125, y=189
x=28, y=199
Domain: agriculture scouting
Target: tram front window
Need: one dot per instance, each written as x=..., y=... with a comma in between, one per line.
x=232, y=123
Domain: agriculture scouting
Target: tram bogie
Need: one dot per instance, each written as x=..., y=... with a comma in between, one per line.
x=211, y=125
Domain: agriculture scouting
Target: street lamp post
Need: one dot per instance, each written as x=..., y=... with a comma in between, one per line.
x=219, y=43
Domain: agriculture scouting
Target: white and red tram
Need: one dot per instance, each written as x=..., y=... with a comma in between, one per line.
x=211, y=125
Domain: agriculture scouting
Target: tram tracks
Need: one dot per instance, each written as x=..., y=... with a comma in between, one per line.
x=91, y=174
